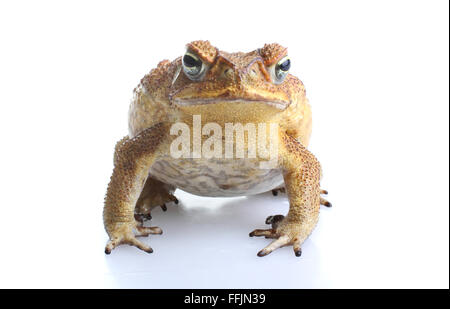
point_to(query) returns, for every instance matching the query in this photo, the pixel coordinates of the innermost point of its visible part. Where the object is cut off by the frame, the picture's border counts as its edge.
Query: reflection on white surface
(205, 244)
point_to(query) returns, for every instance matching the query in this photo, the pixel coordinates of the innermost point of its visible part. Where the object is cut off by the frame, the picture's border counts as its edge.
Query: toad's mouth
(279, 104)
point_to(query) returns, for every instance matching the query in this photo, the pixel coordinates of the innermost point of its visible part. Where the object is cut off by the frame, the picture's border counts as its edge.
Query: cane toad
(216, 88)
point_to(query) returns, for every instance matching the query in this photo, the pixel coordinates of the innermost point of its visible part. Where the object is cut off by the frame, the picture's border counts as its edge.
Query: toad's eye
(281, 70)
(193, 66)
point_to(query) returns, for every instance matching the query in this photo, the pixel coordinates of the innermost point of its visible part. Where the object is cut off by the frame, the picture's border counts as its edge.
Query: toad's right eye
(193, 66)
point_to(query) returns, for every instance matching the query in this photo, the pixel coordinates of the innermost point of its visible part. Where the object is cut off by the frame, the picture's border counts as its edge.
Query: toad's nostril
(229, 73)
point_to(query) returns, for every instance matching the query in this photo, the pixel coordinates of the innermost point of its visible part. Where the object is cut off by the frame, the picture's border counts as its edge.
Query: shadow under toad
(203, 231)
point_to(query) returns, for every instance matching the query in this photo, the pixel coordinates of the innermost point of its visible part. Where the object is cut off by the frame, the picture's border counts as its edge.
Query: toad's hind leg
(282, 189)
(155, 193)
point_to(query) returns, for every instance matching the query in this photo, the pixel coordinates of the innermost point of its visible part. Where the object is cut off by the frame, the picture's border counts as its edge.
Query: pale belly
(217, 177)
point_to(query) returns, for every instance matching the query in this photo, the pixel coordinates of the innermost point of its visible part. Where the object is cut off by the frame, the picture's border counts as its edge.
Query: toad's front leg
(301, 172)
(132, 160)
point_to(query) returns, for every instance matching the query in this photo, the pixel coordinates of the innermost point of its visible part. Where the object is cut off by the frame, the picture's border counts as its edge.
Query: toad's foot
(154, 194)
(323, 201)
(284, 233)
(277, 190)
(126, 233)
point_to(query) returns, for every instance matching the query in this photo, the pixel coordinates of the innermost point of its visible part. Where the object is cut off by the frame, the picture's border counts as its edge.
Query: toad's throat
(281, 105)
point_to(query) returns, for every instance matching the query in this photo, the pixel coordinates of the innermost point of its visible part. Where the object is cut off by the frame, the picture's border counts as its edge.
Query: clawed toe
(145, 206)
(277, 243)
(281, 237)
(173, 199)
(127, 233)
(275, 191)
(132, 241)
(269, 233)
(274, 220)
(297, 250)
(142, 217)
(323, 201)
(111, 245)
(145, 231)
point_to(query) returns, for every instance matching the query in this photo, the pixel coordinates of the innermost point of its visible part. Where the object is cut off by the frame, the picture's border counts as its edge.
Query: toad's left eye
(281, 70)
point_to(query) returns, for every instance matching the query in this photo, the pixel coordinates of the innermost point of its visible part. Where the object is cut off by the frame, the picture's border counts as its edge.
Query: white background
(376, 74)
